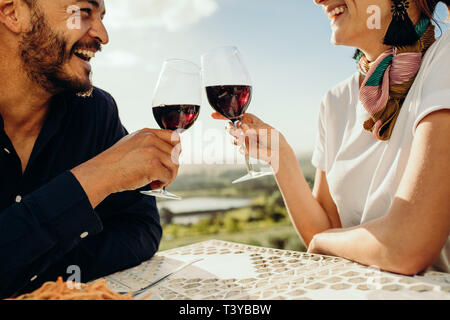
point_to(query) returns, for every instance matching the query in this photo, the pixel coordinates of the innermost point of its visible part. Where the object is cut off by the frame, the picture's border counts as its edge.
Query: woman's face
(357, 23)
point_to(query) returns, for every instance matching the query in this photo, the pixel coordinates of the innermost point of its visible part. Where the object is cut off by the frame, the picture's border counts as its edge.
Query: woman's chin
(340, 38)
(336, 40)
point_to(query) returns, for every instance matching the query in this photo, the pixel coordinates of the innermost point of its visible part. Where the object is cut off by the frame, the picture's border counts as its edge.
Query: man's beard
(44, 54)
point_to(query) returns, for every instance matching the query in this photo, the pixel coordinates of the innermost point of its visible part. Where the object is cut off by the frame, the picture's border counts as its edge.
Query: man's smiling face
(61, 41)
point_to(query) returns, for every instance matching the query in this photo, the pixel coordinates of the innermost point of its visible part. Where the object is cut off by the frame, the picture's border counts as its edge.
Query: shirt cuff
(318, 160)
(64, 208)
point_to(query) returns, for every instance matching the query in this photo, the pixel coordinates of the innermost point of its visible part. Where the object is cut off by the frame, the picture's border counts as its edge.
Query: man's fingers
(160, 172)
(155, 185)
(167, 161)
(176, 153)
(151, 140)
(170, 137)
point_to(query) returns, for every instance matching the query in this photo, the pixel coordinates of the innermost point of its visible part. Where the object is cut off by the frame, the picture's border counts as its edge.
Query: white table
(232, 271)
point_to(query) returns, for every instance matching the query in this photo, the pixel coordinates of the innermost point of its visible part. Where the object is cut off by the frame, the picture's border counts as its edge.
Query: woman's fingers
(252, 136)
(234, 131)
(247, 131)
(249, 118)
(218, 116)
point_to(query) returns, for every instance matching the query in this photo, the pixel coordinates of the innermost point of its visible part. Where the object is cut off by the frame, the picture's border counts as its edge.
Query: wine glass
(229, 91)
(176, 102)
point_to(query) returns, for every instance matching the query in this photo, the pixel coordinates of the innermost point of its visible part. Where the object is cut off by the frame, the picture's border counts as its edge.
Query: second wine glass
(229, 90)
(176, 102)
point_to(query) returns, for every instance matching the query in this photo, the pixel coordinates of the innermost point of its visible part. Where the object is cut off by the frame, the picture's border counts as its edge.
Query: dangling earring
(401, 31)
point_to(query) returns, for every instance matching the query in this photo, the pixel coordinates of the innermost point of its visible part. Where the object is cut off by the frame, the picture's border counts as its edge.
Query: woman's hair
(427, 7)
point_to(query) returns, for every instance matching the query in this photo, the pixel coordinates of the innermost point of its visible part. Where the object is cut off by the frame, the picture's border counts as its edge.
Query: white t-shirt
(363, 174)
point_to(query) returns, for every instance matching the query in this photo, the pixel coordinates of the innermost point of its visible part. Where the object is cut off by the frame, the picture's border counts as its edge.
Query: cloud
(119, 59)
(172, 15)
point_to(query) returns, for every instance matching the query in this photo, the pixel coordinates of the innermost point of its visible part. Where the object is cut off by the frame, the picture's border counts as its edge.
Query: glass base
(161, 193)
(253, 175)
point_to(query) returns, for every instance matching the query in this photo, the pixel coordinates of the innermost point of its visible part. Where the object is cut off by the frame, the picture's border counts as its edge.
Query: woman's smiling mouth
(334, 12)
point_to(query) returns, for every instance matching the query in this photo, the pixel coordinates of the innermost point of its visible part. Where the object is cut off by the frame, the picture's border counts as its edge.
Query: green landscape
(264, 223)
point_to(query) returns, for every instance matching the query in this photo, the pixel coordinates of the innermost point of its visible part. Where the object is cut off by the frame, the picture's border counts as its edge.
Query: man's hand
(146, 157)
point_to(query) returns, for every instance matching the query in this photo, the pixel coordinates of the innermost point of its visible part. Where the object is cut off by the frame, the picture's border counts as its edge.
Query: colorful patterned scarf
(388, 79)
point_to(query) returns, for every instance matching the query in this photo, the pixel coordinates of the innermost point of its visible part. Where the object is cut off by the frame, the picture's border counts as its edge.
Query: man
(67, 164)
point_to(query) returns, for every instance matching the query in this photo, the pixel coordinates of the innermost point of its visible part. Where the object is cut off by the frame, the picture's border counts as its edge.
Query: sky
(285, 44)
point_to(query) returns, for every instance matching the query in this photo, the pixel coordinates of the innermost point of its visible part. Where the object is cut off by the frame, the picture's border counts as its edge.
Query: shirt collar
(58, 108)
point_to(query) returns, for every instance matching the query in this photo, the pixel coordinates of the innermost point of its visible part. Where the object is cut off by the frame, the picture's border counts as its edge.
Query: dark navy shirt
(47, 223)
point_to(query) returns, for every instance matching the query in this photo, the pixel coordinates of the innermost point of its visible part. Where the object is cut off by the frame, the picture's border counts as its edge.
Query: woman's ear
(13, 14)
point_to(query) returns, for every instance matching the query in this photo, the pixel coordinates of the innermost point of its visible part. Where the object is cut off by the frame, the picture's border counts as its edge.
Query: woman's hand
(313, 246)
(261, 140)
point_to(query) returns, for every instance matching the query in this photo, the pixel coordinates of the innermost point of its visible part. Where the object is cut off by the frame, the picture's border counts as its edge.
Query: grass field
(282, 236)
(264, 223)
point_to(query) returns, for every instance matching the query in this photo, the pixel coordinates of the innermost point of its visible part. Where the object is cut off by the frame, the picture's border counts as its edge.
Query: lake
(191, 210)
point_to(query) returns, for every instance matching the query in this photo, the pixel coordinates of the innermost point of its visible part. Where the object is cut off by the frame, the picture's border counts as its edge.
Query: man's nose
(98, 31)
(318, 2)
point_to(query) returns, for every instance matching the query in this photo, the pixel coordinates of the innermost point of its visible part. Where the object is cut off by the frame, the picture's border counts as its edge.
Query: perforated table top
(232, 271)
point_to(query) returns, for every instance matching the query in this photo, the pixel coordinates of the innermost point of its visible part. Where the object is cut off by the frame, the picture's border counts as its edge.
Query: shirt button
(84, 235)
(18, 199)
(7, 151)
(34, 278)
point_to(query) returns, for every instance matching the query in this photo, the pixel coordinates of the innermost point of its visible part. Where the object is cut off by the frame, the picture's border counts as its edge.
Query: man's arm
(39, 230)
(131, 234)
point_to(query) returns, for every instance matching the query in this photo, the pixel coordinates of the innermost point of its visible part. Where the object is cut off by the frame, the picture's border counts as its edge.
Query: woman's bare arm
(409, 238)
(311, 213)
(321, 193)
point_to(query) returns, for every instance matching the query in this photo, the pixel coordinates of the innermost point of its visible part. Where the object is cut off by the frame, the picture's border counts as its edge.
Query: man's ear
(13, 14)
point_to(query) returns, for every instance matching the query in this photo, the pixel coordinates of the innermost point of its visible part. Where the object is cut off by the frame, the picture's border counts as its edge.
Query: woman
(381, 194)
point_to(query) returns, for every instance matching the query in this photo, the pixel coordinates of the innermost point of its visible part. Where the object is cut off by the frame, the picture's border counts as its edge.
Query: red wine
(230, 101)
(176, 117)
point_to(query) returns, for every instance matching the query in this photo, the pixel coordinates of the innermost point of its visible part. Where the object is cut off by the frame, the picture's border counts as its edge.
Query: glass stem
(247, 155)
